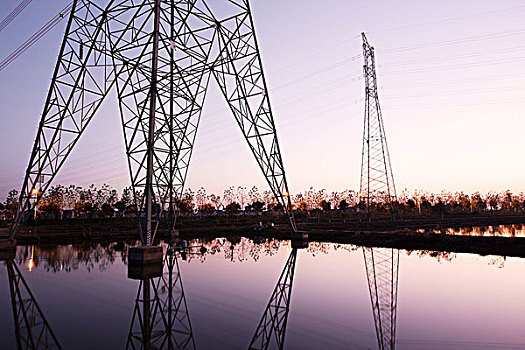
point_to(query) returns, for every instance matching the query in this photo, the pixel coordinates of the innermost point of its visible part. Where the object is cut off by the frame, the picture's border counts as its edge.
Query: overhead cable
(11, 16)
(35, 37)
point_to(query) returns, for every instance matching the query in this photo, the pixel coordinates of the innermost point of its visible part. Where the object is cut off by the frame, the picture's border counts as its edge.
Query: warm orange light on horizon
(34, 191)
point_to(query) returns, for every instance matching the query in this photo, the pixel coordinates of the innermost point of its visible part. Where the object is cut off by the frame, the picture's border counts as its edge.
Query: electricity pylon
(32, 330)
(382, 267)
(160, 317)
(272, 326)
(159, 55)
(377, 182)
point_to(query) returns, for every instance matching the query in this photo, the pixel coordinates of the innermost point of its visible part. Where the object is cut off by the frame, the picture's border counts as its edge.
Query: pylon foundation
(144, 262)
(300, 240)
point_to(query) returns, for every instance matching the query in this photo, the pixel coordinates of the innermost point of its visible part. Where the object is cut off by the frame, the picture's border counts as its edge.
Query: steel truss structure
(160, 317)
(272, 326)
(159, 56)
(31, 327)
(377, 182)
(382, 267)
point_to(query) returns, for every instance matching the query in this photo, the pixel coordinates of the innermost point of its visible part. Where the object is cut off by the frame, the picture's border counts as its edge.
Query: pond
(241, 294)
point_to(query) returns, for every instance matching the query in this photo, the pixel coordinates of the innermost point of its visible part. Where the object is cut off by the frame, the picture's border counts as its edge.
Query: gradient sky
(450, 76)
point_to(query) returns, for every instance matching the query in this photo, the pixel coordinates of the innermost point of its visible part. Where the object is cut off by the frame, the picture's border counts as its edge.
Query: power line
(35, 37)
(11, 16)
(486, 63)
(455, 41)
(450, 19)
(500, 52)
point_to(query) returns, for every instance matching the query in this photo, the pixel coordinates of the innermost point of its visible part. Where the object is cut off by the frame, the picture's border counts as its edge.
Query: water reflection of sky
(465, 303)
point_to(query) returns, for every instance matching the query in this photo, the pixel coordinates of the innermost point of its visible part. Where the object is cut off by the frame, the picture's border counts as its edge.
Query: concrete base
(144, 272)
(299, 243)
(144, 262)
(144, 255)
(300, 235)
(7, 249)
(299, 239)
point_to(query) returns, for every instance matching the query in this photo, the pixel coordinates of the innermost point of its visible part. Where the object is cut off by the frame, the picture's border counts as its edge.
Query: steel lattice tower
(382, 267)
(159, 55)
(377, 182)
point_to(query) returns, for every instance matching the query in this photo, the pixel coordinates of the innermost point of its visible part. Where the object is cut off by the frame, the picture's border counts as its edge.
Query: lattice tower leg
(82, 78)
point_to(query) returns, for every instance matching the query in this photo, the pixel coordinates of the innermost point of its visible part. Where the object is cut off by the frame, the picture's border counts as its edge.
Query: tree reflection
(100, 256)
(439, 256)
(71, 257)
(514, 230)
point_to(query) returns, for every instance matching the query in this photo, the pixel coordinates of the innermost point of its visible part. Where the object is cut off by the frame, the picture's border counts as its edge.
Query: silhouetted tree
(206, 208)
(343, 205)
(257, 205)
(11, 202)
(185, 207)
(325, 205)
(232, 208)
(50, 209)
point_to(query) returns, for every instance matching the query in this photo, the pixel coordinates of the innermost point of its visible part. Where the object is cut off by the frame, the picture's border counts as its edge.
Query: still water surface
(458, 301)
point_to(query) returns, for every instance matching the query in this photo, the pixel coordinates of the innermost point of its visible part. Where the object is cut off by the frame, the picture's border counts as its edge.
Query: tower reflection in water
(160, 318)
(271, 331)
(31, 327)
(382, 267)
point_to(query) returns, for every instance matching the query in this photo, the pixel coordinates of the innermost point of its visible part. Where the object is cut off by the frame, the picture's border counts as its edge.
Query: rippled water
(444, 300)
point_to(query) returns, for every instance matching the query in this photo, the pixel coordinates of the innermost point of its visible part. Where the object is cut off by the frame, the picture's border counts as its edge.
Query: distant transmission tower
(382, 267)
(159, 55)
(377, 182)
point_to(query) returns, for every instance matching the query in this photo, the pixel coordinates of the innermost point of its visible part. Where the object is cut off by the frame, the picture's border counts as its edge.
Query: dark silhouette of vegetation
(61, 202)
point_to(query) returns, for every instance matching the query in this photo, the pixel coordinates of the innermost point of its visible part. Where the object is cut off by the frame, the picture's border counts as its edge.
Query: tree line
(106, 201)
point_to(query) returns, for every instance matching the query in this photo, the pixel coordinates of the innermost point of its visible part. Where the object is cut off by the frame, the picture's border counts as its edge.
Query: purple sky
(451, 83)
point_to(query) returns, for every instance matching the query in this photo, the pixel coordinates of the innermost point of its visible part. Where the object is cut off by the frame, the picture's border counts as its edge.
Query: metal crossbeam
(377, 182)
(382, 267)
(272, 326)
(160, 54)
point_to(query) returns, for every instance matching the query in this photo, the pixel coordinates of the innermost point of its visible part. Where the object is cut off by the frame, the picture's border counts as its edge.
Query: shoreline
(399, 234)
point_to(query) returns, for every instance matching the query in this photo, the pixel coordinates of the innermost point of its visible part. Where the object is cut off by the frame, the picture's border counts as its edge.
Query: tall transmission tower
(159, 55)
(377, 182)
(382, 267)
